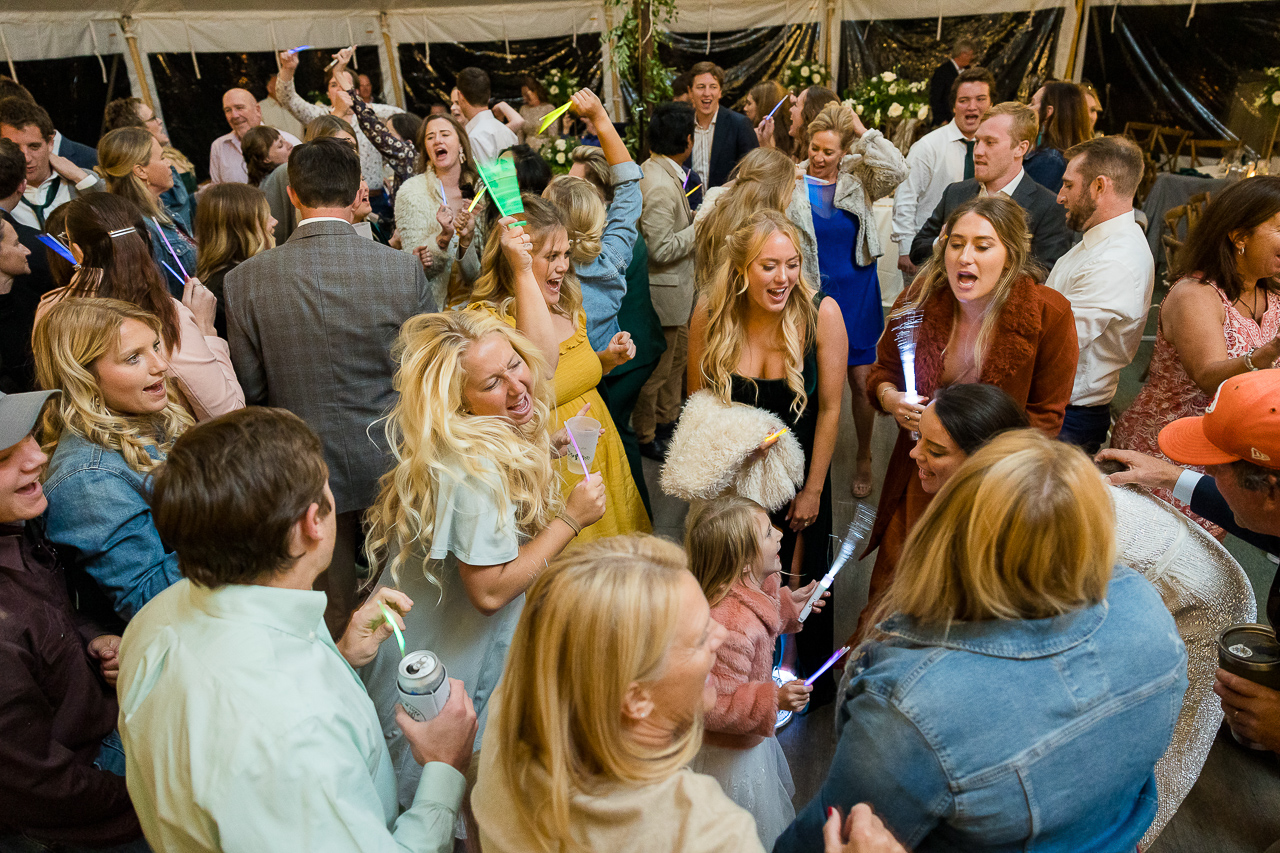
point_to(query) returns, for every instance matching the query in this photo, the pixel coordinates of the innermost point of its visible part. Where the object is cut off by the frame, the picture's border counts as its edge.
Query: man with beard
(1108, 276)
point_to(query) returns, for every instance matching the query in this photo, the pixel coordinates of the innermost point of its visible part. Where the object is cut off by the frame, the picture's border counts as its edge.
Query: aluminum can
(423, 685)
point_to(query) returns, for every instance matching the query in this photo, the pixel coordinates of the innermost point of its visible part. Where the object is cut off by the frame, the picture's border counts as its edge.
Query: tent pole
(1081, 11)
(126, 24)
(393, 59)
(832, 36)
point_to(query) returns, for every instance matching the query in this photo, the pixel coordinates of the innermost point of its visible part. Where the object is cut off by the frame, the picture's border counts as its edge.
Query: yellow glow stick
(553, 115)
(476, 200)
(776, 434)
(692, 191)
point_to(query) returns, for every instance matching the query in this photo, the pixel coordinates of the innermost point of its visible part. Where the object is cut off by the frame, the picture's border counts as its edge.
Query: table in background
(1168, 192)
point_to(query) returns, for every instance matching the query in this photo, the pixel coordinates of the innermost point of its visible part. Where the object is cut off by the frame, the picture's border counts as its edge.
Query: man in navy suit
(18, 306)
(1007, 132)
(721, 137)
(82, 155)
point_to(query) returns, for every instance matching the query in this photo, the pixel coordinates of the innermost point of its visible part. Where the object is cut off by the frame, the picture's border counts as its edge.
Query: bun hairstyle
(584, 215)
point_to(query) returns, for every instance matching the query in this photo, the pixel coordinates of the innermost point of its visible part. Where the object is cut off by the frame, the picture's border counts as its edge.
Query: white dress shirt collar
(1105, 229)
(310, 219)
(1008, 189)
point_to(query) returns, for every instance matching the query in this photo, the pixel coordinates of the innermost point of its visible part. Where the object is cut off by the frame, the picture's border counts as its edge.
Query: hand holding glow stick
(395, 629)
(298, 49)
(785, 98)
(858, 533)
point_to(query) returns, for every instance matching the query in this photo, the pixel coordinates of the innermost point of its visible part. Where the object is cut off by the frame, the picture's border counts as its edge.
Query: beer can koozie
(423, 685)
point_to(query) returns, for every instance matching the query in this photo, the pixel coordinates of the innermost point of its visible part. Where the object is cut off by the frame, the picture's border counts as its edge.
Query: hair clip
(121, 232)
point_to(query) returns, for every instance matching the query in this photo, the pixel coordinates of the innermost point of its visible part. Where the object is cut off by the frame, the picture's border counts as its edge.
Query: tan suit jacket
(667, 224)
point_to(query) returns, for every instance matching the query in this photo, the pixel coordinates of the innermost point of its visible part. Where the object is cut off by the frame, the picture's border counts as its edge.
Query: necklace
(1253, 309)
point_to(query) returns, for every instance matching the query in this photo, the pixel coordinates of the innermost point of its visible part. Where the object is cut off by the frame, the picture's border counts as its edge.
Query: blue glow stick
(808, 682)
(298, 49)
(780, 103)
(56, 244)
(172, 272)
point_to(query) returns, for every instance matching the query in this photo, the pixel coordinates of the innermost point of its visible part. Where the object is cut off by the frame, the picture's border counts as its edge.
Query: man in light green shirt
(245, 726)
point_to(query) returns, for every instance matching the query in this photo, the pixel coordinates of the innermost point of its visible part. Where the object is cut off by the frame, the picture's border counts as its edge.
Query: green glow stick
(395, 629)
(504, 188)
(553, 115)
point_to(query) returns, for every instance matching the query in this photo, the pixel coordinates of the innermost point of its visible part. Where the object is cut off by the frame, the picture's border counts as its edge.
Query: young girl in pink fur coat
(733, 552)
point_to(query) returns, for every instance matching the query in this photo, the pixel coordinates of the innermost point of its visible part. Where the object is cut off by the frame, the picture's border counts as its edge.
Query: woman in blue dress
(842, 189)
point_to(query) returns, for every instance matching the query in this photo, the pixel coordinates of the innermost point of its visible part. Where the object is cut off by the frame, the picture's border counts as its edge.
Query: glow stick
(808, 682)
(692, 191)
(859, 531)
(553, 115)
(173, 272)
(172, 253)
(335, 59)
(294, 50)
(395, 629)
(479, 195)
(905, 333)
(776, 434)
(780, 103)
(586, 475)
(57, 245)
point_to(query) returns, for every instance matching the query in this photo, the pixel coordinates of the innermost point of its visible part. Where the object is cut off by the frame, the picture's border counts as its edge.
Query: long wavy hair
(118, 153)
(67, 341)
(1010, 224)
(726, 300)
(1024, 529)
(584, 215)
(496, 285)
(231, 226)
(597, 621)
(762, 180)
(119, 267)
(435, 441)
(470, 176)
(767, 94)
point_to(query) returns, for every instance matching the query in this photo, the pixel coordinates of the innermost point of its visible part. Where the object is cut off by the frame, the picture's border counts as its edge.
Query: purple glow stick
(585, 473)
(808, 682)
(172, 253)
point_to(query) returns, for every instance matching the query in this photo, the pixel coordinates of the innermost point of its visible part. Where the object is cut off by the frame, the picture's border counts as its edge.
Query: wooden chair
(1220, 150)
(1174, 238)
(1163, 144)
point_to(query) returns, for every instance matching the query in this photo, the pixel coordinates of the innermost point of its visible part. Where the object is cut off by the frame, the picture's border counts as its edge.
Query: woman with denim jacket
(1019, 685)
(114, 421)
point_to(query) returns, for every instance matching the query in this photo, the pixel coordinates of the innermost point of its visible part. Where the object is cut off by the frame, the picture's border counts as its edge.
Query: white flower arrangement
(890, 98)
(800, 74)
(559, 85)
(558, 154)
(1270, 89)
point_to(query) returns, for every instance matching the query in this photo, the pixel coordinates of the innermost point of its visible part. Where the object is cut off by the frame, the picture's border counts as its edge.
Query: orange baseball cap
(1242, 422)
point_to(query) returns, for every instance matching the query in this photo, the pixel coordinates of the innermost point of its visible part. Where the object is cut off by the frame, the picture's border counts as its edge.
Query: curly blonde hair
(435, 441)
(762, 180)
(496, 285)
(584, 215)
(726, 299)
(67, 341)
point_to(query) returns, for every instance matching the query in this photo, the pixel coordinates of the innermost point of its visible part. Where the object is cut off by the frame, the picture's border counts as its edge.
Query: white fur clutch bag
(708, 455)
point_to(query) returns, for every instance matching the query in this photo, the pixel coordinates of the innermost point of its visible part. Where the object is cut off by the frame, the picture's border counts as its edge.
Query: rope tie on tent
(710, 17)
(13, 73)
(275, 47)
(351, 40)
(93, 34)
(1114, 9)
(939, 20)
(426, 43)
(1191, 14)
(191, 47)
(506, 42)
(575, 32)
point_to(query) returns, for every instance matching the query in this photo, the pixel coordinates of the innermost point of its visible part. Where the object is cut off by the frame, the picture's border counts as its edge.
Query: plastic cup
(586, 433)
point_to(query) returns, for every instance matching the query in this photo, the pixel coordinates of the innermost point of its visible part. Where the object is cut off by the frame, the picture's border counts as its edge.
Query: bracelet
(1248, 359)
(880, 394)
(573, 525)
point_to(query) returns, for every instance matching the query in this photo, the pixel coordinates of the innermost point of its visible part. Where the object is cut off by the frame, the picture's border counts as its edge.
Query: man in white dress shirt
(226, 159)
(939, 159)
(489, 137)
(1108, 276)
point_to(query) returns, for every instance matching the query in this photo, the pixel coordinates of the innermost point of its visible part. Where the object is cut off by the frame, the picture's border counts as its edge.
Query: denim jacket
(1033, 735)
(604, 280)
(100, 520)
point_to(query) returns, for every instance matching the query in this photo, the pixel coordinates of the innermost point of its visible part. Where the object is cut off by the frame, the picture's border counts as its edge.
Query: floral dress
(1170, 394)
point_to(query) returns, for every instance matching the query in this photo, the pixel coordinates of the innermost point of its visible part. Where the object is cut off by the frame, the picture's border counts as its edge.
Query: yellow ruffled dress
(577, 375)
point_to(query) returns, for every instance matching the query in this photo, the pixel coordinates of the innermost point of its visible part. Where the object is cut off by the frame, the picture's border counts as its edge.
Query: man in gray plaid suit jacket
(311, 325)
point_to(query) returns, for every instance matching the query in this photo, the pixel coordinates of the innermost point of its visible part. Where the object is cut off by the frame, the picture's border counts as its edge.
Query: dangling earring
(462, 157)
(1241, 248)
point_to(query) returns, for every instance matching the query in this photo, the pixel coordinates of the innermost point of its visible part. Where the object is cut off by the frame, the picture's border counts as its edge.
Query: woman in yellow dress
(543, 300)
